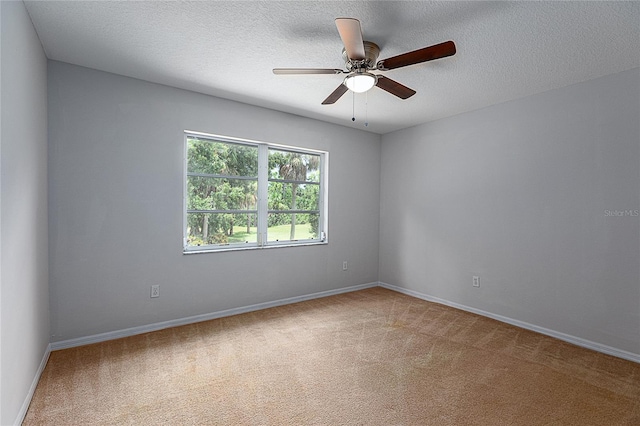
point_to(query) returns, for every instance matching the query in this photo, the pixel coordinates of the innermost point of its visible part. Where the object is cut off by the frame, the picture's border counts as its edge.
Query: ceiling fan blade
(293, 71)
(351, 35)
(333, 97)
(425, 54)
(395, 88)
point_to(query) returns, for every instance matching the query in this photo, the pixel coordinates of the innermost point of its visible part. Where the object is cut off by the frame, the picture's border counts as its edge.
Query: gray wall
(518, 194)
(116, 176)
(24, 302)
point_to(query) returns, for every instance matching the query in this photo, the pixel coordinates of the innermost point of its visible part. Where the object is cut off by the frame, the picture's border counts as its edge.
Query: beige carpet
(373, 357)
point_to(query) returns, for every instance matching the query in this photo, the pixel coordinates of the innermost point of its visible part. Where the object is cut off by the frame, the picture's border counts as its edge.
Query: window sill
(272, 246)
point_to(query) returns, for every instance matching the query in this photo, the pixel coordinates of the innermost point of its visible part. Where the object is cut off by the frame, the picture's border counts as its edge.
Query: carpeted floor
(372, 357)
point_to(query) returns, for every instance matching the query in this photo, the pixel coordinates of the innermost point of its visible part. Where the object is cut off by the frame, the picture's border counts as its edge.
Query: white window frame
(263, 201)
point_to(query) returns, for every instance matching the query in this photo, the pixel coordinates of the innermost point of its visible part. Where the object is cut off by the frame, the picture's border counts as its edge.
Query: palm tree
(295, 169)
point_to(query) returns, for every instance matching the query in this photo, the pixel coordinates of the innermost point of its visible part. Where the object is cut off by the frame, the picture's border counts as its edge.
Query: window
(243, 194)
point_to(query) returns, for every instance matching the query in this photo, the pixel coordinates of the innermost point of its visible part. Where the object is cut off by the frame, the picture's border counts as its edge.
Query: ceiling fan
(360, 59)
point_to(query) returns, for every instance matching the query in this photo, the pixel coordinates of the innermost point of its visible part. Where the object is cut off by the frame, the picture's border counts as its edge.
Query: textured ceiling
(506, 50)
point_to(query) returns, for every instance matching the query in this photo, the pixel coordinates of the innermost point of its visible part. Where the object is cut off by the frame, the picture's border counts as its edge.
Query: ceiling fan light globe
(360, 82)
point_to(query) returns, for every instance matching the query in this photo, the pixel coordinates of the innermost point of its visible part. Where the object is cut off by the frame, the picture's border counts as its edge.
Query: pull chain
(366, 109)
(353, 106)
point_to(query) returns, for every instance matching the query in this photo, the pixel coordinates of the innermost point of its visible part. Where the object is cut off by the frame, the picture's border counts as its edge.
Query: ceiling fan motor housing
(371, 52)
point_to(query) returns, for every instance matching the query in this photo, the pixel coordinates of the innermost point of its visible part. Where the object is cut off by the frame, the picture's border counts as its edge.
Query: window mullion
(322, 220)
(185, 191)
(263, 195)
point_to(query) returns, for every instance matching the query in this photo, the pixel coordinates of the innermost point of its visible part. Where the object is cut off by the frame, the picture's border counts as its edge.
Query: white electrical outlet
(344, 265)
(155, 291)
(476, 281)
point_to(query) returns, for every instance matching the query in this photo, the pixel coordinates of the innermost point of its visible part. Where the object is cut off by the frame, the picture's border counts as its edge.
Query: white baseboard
(558, 335)
(64, 344)
(25, 405)
(102, 337)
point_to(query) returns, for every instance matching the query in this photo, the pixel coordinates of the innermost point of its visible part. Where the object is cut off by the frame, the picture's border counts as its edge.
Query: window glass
(221, 229)
(209, 193)
(292, 227)
(291, 165)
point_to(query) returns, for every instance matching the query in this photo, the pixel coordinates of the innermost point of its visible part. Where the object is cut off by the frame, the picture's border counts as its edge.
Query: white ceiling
(505, 50)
